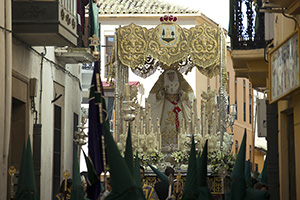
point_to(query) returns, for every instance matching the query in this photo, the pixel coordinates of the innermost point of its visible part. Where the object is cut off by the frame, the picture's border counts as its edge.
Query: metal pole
(222, 114)
(117, 90)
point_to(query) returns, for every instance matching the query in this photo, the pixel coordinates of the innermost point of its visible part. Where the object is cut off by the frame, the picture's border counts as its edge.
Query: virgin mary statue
(171, 103)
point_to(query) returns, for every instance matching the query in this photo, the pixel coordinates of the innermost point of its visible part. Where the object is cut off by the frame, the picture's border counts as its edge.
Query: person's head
(168, 171)
(142, 170)
(177, 187)
(260, 186)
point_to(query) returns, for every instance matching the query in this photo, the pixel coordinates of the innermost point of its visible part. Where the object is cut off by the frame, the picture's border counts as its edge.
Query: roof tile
(141, 7)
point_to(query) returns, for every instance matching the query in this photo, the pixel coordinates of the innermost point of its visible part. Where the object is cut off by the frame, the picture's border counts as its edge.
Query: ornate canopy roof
(170, 46)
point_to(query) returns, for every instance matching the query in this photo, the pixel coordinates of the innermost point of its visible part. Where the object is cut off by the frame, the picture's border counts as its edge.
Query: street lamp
(81, 137)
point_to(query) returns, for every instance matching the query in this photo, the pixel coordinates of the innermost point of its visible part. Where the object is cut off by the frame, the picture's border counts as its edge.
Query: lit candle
(146, 122)
(149, 110)
(159, 137)
(198, 125)
(178, 143)
(195, 108)
(192, 121)
(158, 133)
(127, 90)
(183, 127)
(150, 125)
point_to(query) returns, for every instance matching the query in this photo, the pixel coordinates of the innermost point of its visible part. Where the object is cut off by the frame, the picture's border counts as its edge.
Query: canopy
(168, 45)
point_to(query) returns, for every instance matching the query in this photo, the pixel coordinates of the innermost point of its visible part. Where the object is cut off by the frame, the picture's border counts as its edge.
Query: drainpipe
(7, 94)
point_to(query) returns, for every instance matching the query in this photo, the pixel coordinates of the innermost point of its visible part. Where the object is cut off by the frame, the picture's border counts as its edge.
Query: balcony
(74, 55)
(292, 7)
(45, 23)
(248, 41)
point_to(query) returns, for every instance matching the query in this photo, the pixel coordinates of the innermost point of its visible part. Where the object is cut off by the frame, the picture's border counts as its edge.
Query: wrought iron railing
(246, 26)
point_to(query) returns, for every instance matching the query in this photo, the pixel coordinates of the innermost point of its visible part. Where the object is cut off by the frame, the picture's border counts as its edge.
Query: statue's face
(171, 85)
(171, 75)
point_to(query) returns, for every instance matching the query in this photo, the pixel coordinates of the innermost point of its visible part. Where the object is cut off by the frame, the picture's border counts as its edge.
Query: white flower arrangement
(156, 156)
(179, 156)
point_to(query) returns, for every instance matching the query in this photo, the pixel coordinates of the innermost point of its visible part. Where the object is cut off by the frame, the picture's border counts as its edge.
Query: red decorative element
(166, 17)
(176, 110)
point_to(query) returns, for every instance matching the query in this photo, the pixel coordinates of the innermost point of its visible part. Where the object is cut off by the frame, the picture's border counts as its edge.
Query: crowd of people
(159, 192)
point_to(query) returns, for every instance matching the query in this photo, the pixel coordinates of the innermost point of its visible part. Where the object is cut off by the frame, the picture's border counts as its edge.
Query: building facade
(256, 57)
(40, 90)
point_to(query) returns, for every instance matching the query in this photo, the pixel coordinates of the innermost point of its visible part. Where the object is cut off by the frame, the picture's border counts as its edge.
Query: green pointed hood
(128, 151)
(137, 173)
(76, 189)
(92, 176)
(190, 191)
(263, 177)
(202, 166)
(203, 191)
(237, 188)
(26, 188)
(248, 174)
(22, 170)
(160, 175)
(122, 182)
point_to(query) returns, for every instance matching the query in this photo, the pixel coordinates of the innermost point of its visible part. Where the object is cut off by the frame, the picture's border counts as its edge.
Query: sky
(217, 10)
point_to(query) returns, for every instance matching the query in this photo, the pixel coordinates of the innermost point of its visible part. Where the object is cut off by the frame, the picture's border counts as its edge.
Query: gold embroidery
(170, 44)
(169, 133)
(172, 97)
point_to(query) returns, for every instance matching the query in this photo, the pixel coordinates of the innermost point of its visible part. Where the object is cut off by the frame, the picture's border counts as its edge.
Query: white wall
(28, 63)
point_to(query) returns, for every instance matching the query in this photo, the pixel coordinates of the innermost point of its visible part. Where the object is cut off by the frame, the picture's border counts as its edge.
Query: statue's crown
(168, 19)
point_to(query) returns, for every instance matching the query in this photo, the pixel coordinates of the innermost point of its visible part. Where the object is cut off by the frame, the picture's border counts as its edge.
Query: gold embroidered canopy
(169, 46)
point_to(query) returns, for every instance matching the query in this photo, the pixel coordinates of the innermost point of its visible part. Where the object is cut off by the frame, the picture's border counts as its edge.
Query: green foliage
(220, 162)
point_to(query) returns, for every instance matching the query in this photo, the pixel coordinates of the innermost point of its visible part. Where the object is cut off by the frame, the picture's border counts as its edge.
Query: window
(228, 106)
(75, 128)
(56, 149)
(109, 106)
(250, 113)
(58, 111)
(256, 167)
(108, 52)
(244, 111)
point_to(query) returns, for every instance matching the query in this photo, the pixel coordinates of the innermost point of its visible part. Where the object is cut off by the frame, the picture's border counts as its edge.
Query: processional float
(168, 46)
